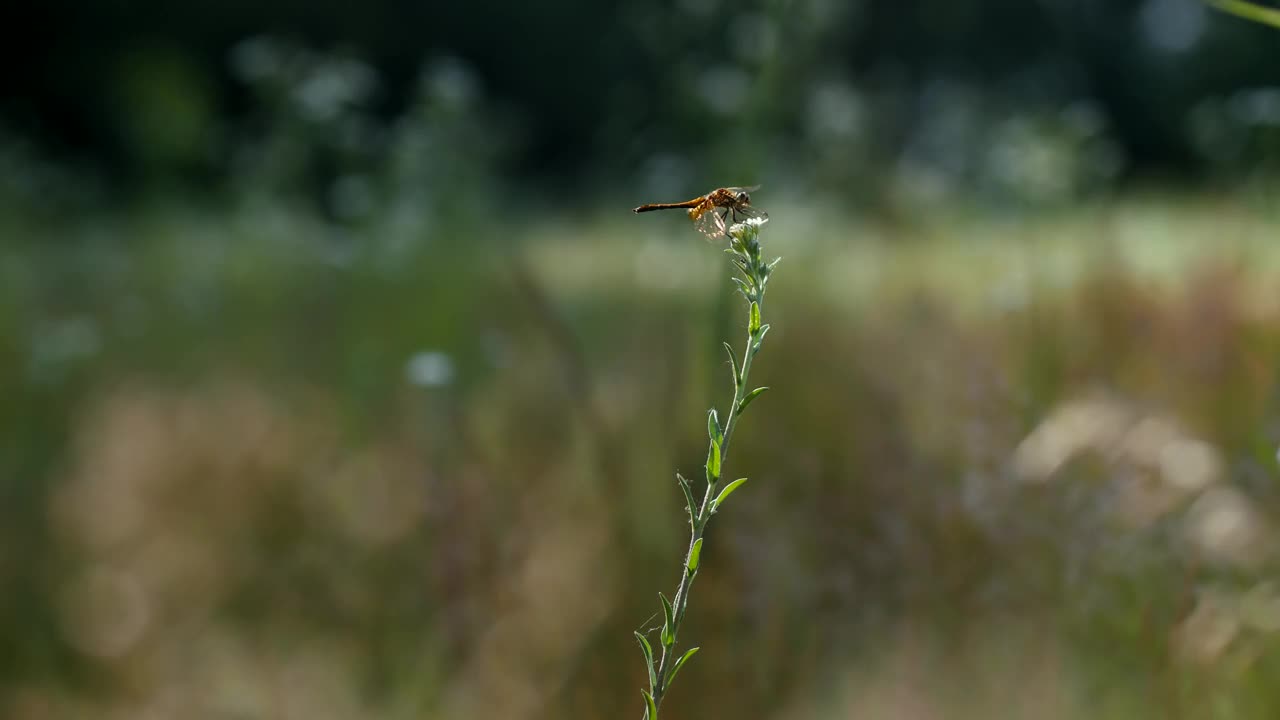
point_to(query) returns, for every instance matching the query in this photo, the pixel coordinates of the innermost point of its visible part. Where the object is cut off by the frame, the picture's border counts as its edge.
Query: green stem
(681, 599)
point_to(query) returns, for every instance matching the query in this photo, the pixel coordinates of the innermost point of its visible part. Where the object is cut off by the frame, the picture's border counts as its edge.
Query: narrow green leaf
(679, 664)
(751, 396)
(713, 463)
(737, 379)
(695, 553)
(650, 709)
(647, 649)
(1249, 11)
(775, 262)
(688, 497)
(759, 339)
(744, 287)
(713, 428)
(754, 326)
(728, 489)
(668, 622)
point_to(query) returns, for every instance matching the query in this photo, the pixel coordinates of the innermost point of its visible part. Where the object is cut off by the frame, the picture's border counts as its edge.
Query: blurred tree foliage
(144, 87)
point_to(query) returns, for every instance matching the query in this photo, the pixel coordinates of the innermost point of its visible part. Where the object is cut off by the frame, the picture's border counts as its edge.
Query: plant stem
(746, 251)
(744, 248)
(681, 599)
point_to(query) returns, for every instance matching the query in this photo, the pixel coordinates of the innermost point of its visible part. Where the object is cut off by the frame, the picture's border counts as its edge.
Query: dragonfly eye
(744, 197)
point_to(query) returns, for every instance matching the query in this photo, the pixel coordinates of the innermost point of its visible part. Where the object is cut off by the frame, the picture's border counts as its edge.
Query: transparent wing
(746, 212)
(711, 223)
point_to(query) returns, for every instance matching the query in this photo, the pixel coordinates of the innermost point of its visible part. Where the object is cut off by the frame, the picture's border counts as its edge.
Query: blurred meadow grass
(258, 464)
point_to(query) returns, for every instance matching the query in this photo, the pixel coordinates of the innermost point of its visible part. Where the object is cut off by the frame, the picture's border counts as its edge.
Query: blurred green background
(337, 379)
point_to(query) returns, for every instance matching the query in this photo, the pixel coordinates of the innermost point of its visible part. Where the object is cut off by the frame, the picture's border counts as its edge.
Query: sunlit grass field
(1018, 465)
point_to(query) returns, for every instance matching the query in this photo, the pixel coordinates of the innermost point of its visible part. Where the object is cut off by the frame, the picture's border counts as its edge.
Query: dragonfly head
(741, 196)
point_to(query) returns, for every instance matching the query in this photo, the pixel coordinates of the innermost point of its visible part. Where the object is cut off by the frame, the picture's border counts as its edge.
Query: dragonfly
(713, 213)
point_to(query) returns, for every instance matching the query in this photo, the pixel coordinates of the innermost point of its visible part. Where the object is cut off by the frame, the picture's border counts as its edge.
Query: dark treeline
(589, 87)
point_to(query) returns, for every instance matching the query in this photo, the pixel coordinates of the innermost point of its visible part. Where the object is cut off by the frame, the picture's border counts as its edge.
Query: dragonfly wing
(710, 223)
(746, 212)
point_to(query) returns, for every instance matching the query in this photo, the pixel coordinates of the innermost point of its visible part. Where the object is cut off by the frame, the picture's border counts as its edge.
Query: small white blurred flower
(429, 368)
(1225, 527)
